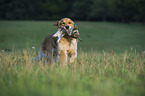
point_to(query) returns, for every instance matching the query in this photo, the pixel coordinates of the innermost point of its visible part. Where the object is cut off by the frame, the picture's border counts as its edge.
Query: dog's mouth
(68, 31)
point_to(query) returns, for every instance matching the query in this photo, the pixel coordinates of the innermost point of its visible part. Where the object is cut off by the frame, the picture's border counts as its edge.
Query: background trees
(102, 10)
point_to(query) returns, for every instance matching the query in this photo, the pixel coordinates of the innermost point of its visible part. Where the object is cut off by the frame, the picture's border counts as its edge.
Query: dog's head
(67, 24)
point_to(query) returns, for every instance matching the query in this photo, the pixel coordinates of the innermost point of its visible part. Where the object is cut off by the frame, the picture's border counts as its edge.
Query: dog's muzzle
(67, 27)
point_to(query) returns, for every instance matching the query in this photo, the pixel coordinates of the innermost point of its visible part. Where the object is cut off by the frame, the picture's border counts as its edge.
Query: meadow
(111, 61)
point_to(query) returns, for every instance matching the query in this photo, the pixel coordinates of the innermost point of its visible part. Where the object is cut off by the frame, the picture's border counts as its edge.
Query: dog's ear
(57, 23)
(75, 27)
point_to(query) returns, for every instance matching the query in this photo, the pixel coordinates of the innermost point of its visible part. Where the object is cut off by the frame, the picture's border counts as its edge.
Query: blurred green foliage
(101, 10)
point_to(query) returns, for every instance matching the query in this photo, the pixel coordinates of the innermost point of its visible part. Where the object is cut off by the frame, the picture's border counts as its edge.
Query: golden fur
(59, 48)
(67, 45)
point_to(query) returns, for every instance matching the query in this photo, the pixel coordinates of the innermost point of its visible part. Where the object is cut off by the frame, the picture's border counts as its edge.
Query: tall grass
(93, 74)
(113, 72)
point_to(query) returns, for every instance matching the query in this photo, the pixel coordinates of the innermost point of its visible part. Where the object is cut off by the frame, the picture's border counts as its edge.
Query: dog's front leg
(63, 57)
(73, 56)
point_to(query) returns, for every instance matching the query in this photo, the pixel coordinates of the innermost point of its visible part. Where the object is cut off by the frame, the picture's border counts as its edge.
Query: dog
(67, 46)
(58, 46)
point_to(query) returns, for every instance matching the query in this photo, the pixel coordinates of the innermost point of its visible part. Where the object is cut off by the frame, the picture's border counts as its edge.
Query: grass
(110, 61)
(92, 75)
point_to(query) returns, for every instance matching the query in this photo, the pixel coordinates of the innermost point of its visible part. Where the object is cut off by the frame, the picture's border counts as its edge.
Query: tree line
(91, 10)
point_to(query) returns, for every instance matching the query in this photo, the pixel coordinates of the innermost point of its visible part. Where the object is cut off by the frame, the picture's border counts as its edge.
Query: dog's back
(49, 43)
(48, 50)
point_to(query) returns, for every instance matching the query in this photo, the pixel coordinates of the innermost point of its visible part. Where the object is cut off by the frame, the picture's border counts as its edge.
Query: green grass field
(110, 61)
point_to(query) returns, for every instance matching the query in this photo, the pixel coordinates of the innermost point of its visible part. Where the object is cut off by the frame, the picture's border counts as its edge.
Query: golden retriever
(58, 46)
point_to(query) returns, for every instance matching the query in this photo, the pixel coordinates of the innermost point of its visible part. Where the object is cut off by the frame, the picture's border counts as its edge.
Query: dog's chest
(67, 44)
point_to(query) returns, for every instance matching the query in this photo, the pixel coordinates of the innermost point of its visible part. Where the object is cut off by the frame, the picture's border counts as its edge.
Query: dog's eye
(69, 22)
(63, 23)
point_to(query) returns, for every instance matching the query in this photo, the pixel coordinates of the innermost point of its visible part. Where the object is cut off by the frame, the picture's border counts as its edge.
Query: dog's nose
(67, 27)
